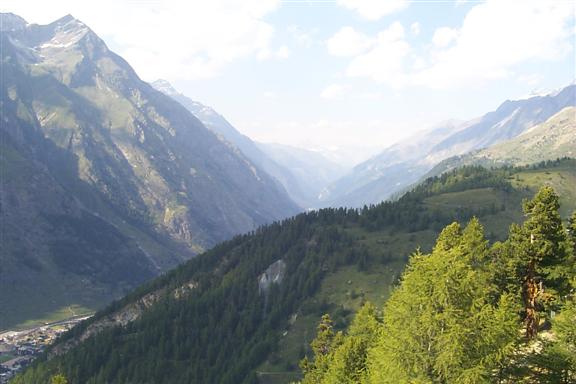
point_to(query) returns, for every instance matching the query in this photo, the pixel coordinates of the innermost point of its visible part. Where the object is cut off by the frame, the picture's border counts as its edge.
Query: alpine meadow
(288, 192)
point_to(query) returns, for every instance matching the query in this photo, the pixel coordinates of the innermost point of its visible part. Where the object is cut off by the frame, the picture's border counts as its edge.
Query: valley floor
(19, 347)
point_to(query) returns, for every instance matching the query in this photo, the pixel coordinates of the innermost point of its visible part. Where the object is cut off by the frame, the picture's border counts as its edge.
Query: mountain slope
(245, 311)
(113, 153)
(219, 125)
(396, 167)
(312, 170)
(56, 253)
(404, 163)
(553, 139)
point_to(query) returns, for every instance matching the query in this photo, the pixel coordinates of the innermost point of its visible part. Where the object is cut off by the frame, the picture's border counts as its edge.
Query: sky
(357, 75)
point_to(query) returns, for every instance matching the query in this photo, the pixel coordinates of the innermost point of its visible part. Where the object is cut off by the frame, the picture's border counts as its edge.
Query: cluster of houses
(18, 349)
(14, 357)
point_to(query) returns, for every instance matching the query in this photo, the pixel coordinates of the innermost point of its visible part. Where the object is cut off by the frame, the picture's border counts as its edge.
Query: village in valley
(18, 348)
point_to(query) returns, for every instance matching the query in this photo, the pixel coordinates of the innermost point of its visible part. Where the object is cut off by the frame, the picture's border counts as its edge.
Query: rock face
(553, 139)
(286, 179)
(104, 179)
(312, 170)
(274, 274)
(404, 163)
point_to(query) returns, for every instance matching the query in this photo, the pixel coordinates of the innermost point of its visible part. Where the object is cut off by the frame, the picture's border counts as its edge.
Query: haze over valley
(274, 192)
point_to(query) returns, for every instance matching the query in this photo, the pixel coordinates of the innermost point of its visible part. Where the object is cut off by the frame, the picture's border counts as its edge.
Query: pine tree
(323, 346)
(439, 325)
(348, 362)
(58, 379)
(564, 326)
(572, 232)
(542, 253)
(555, 362)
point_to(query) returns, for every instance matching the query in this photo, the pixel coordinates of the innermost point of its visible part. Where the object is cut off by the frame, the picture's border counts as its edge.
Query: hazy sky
(336, 73)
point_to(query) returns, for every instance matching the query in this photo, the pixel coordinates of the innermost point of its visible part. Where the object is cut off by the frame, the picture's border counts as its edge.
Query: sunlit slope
(553, 139)
(212, 320)
(105, 181)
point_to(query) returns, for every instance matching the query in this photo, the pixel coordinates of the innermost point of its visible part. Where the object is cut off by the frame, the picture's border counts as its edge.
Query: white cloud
(373, 9)
(304, 37)
(348, 42)
(494, 40)
(384, 63)
(280, 54)
(393, 33)
(415, 28)
(264, 54)
(283, 52)
(169, 39)
(333, 91)
(368, 96)
(496, 37)
(444, 36)
(532, 79)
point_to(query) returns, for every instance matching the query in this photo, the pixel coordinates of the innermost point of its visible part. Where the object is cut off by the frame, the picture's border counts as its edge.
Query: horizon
(287, 191)
(269, 83)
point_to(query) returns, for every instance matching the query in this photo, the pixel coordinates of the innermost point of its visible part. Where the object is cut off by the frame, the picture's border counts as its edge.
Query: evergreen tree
(323, 347)
(439, 325)
(58, 379)
(564, 326)
(543, 255)
(348, 362)
(455, 316)
(555, 362)
(572, 232)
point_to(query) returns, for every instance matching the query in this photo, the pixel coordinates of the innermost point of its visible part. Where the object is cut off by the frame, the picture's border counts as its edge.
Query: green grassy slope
(208, 321)
(343, 291)
(552, 139)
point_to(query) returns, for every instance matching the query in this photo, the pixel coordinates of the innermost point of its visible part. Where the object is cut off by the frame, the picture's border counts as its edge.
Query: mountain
(392, 170)
(226, 132)
(312, 170)
(211, 120)
(12, 22)
(106, 181)
(300, 172)
(245, 311)
(404, 163)
(553, 139)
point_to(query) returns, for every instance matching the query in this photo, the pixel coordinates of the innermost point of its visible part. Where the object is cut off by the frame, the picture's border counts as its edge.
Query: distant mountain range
(106, 182)
(312, 169)
(312, 180)
(555, 138)
(302, 173)
(404, 163)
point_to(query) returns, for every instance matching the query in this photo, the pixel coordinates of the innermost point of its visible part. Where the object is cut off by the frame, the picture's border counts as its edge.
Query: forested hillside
(245, 311)
(468, 312)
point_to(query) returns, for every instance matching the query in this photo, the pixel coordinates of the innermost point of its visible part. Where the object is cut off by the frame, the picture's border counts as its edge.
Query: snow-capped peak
(165, 87)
